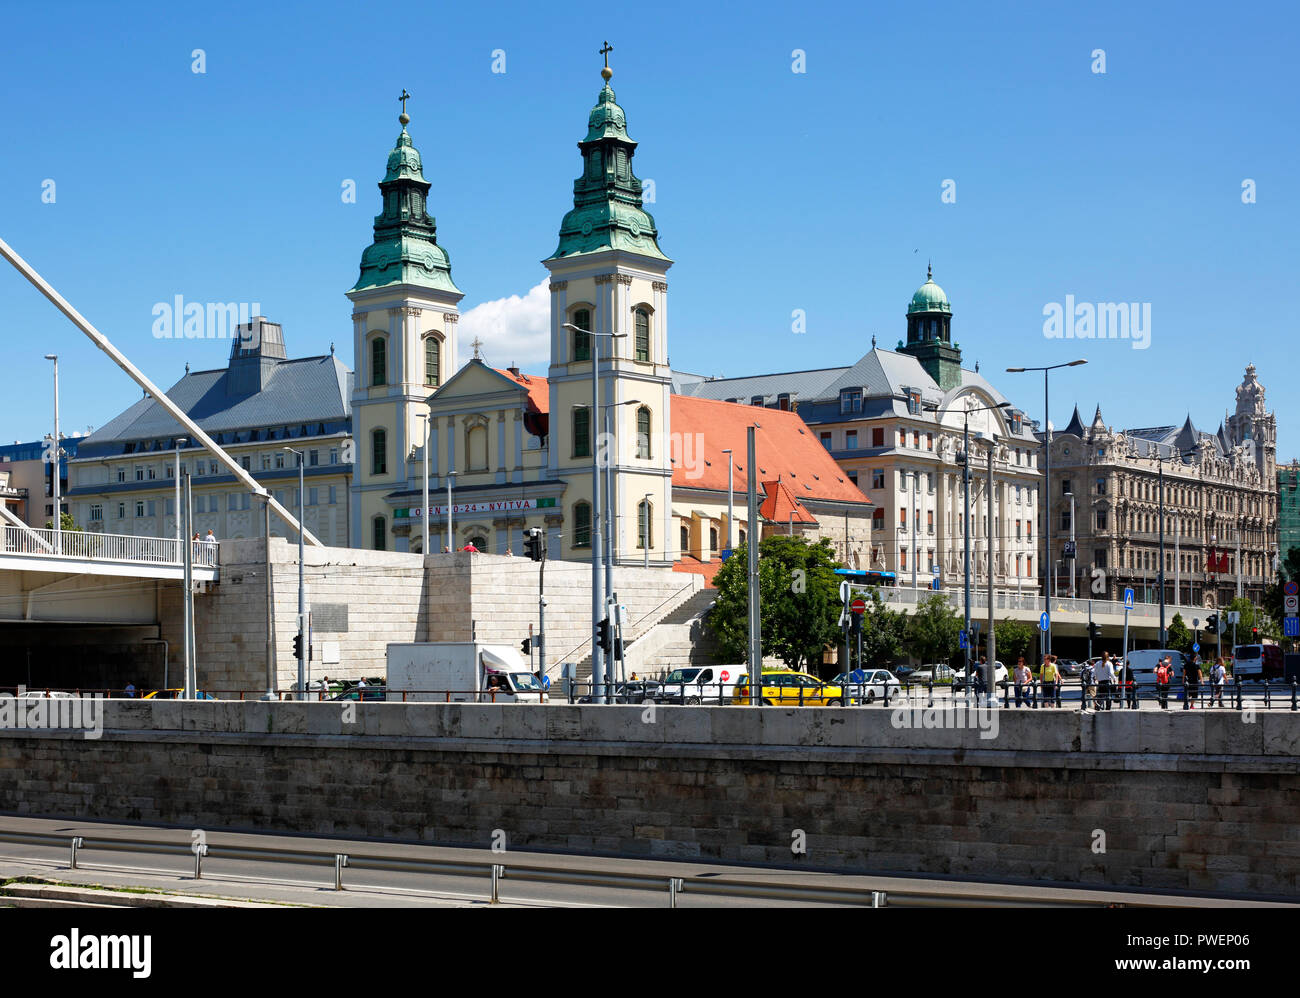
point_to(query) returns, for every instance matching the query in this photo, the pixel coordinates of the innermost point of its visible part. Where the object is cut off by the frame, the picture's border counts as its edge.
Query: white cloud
(514, 330)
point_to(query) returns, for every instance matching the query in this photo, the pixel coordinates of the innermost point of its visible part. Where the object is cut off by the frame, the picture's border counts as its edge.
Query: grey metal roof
(307, 390)
(803, 385)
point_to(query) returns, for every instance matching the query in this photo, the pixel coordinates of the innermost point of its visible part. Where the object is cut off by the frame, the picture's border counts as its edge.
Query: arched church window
(581, 341)
(582, 525)
(642, 323)
(644, 532)
(432, 367)
(643, 433)
(378, 361)
(582, 431)
(379, 452)
(686, 539)
(713, 538)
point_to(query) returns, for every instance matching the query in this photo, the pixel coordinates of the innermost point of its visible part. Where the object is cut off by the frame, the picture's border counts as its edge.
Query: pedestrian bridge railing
(78, 544)
(1032, 603)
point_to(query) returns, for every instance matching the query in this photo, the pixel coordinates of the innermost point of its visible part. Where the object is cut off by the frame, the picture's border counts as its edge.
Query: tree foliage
(932, 629)
(883, 632)
(1288, 571)
(799, 605)
(1178, 635)
(66, 523)
(1012, 639)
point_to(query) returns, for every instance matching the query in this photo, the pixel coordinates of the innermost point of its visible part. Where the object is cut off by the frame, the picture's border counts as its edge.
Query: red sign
(858, 606)
(725, 675)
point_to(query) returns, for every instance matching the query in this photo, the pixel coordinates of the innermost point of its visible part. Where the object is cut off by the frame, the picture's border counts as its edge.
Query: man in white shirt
(1105, 676)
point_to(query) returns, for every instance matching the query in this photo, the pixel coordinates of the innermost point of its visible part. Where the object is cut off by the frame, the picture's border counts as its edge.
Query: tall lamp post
(1046, 504)
(181, 442)
(599, 667)
(966, 523)
(56, 462)
(304, 651)
(731, 470)
(424, 511)
(645, 534)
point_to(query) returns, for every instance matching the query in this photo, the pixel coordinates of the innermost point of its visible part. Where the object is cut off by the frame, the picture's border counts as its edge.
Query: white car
(46, 694)
(867, 686)
(999, 675)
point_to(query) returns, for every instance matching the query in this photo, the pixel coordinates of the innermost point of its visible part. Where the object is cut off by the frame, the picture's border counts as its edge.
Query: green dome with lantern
(929, 297)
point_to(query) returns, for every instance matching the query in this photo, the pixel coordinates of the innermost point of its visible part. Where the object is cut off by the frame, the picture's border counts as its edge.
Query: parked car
(787, 688)
(959, 677)
(937, 673)
(46, 695)
(371, 691)
(869, 685)
(703, 684)
(638, 692)
(1069, 666)
(177, 695)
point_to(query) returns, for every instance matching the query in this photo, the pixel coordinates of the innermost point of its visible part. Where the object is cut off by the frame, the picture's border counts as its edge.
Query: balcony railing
(106, 547)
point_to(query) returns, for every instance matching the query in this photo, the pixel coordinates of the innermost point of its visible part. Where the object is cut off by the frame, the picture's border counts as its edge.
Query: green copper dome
(929, 297)
(405, 248)
(607, 208)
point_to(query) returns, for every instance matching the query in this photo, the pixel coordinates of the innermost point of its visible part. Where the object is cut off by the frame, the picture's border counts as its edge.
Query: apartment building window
(929, 441)
(279, 459)
(853, 477)
(139, 509)
(913, 402)
(1102, 520)
(878, 436)
(333, 495)
(902, 519)
(96, 512)
(929, 517)
(313, 459)
(1065, 487)
(1099, 558)
(1101, 486)
(850, 439)
(902, 559)
(152, 473)
(878, 478)
(850, 400)
(266, 462)
(878, 519)
(757, 400)
(783, 401)
(1065, 519)
(1017, 530)
(121, 474)
(212, 467)
(826, 439)
(121, 511)
(139, 473)
(312, 496)
(334, 455)
(246, 463)
(916, 439)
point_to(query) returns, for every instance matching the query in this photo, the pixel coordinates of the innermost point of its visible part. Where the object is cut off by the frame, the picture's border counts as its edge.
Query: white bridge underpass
(1069, 617)
(82, 577)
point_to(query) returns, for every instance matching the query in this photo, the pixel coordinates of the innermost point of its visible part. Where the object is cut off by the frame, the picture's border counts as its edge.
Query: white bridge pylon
(138, 376)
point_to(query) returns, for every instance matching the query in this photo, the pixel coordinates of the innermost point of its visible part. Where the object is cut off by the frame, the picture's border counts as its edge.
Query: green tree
(1013, 639)
(1251, 616)
(1288, 571)
(1178, 635)
(883, 632)
(66, 522)
(799, 605)
(932, 629)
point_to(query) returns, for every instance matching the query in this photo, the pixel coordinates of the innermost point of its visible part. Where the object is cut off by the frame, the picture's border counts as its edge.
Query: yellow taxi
(788, 688)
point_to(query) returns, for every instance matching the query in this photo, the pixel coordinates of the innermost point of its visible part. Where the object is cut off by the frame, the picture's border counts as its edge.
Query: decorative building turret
(929, 334)
(1253, 426)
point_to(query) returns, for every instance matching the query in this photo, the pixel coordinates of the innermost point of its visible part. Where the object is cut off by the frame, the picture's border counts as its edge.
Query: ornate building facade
(1220, 506)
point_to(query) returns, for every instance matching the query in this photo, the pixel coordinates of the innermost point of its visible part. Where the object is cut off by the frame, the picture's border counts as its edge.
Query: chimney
(513, 369)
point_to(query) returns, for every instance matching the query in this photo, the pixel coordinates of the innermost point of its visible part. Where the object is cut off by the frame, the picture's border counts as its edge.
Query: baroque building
(1220, 506)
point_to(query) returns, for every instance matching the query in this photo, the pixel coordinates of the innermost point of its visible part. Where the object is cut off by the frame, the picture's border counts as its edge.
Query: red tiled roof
(782, 507)
(786, 451)
(539, 393)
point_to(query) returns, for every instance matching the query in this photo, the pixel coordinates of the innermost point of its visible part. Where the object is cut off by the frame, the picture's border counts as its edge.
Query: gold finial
(606, 73)
(404, 118)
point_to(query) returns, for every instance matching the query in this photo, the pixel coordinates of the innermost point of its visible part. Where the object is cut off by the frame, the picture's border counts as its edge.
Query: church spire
(607, 209)
(405, 248)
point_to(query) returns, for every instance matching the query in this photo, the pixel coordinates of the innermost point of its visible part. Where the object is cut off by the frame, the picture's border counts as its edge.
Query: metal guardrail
(495, 873)
(105, 547)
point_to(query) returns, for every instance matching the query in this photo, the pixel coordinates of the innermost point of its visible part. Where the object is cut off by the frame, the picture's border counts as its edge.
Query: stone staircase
(682, 611)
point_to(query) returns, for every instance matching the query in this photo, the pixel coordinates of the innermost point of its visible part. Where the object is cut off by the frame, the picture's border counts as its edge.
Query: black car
(638, 692)
(367, 692)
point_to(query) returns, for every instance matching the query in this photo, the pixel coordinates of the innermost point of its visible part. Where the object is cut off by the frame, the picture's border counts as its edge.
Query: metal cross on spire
(476, 344)
(404, 98)
(605, 52)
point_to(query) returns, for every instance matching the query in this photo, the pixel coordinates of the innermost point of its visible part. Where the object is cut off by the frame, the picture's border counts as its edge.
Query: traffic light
(603, 636)
(1254, 632)
(1212, 623)
(533, 544)
(1094, 631)
(297, 646)
(526, 646)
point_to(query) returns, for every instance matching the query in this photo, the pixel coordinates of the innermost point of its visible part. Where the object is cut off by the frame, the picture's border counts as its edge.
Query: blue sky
(774, 190)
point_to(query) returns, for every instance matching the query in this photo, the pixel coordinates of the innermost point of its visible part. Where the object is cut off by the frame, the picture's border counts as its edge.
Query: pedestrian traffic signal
(603, 636)
(297, 646)
(526, 646)
(533, 544)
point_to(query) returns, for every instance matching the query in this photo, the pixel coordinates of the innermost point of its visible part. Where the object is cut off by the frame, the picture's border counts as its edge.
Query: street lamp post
(180, 550)
(424, 511)
(731, 468)
(645, 533)
(56, 463)
(302, 584)
(599, 667)
(1047, 489)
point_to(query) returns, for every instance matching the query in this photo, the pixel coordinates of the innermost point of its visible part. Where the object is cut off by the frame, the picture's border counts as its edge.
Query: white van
(1143, 662)
(703, 684)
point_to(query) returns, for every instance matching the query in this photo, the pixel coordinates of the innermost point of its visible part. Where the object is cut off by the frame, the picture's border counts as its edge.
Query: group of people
(1110, 681)
(205, 548)
(1049, 674)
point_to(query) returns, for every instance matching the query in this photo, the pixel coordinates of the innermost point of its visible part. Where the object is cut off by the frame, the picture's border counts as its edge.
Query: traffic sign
(962, 643)
(1044, 622)
(858, 606)
(934, 569)
(844, 592)
(725, 675)
(1291, 627)
(935, 584)
(1196, 646)
(1292, 605)
(1069, 549)
(1234, 616)
(1292, 588)
(1128, 599)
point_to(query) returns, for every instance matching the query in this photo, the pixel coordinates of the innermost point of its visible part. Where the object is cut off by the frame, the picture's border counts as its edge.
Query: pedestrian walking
(1024, 678)
(130, 690)
(1192, 680)
(1088, 682)
(1130, 687)
(1050, 676)
(1105, 679)
(210, 548)
(1164, 673)
(1217, 676)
